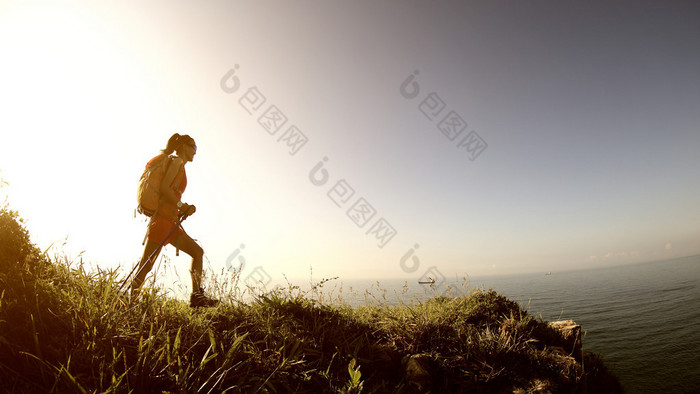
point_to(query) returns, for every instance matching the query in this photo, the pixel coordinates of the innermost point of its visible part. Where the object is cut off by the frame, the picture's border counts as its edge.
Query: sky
(360, 139)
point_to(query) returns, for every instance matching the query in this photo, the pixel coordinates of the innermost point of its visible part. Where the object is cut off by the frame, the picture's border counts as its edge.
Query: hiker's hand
(187, 209)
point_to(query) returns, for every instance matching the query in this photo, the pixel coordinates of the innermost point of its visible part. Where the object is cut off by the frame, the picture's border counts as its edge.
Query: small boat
(549, 273)
(426, 282)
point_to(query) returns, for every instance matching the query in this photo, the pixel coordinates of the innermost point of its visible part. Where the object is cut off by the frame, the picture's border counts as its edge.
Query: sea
(643, 319)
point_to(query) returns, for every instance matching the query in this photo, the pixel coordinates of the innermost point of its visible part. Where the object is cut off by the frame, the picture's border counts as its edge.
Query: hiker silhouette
(165, 225)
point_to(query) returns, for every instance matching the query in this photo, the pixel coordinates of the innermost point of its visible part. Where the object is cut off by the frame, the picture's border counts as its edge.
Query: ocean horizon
(641, 318)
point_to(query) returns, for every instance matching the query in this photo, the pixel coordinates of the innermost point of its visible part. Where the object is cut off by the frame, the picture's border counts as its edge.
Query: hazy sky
(499, 137)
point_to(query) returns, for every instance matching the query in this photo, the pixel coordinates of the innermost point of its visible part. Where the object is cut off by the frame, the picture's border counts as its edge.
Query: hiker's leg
(152, 250)
(186, 244)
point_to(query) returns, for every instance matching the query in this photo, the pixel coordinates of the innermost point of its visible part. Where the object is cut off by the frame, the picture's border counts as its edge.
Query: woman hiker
(165, 224)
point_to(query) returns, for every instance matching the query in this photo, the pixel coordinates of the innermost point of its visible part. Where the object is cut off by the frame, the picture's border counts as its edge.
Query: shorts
(159, 228)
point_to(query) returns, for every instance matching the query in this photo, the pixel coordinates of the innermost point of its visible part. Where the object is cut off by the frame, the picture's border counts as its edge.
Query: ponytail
(173, 143)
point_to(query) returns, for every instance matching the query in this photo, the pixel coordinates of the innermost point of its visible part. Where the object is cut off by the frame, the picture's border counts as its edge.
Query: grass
(64, 329)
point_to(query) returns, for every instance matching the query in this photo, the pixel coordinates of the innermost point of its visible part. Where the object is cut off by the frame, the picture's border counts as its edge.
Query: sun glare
(63, 148)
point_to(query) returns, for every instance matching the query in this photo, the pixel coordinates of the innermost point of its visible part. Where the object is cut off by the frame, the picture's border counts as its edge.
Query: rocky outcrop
(418, 374)
(571, 334)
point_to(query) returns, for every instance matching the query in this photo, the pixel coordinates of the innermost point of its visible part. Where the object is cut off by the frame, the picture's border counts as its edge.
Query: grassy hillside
(63, 329)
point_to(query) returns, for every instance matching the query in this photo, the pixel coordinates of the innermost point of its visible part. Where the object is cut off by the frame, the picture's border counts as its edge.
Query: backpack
(147, 192)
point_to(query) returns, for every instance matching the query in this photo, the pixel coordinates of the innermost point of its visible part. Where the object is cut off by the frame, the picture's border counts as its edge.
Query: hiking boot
(199, 299)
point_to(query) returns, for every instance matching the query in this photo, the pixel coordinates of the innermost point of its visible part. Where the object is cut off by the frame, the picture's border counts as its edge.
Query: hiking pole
(177, 224)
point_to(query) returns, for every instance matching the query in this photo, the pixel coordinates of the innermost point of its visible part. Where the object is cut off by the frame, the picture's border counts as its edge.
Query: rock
(571, 332)
(383, 357)
(417, 368)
